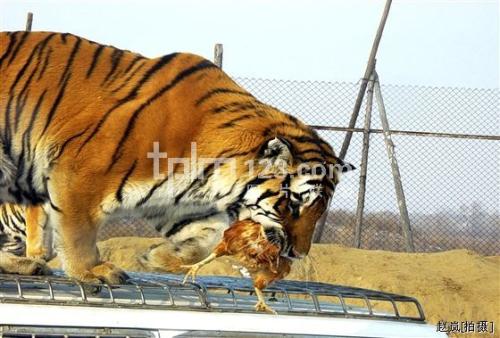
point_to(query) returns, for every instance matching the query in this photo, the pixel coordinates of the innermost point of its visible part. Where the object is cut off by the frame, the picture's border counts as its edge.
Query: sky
(447, 43)
(437, 43)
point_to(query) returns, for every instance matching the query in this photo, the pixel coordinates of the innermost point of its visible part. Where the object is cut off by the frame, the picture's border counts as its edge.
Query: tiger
(90, 133)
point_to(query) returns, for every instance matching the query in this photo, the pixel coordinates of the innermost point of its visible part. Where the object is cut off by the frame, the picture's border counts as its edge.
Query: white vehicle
(154, 305)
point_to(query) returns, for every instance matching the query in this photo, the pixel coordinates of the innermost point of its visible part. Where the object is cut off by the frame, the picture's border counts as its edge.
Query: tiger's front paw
(23, 265)
(108, 273)
(33, 267)
(102, 273)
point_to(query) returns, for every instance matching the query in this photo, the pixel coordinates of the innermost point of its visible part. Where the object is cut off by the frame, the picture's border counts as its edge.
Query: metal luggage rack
(228, 294)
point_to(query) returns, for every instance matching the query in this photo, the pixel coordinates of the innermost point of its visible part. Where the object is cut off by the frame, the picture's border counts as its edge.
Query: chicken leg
(193, 268)
(261, 303)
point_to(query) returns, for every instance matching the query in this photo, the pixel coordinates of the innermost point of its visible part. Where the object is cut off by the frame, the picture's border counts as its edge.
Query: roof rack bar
(164, 291)
(111, 294)
(202, 293)
(396, 312)
(164, 286)
(82, 291)
(420, 309)
(141, 292)
(342, 301)
(368, 304)
(107, 286)
(169, 292)
(19, 289)
(315, 301)
(231, 291)
(51, 289)
(288, 300)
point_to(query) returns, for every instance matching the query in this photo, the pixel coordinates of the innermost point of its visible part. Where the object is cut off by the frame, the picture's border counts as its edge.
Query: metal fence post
(218, 52)
(398, 185)
(29, 21)
(364, 164)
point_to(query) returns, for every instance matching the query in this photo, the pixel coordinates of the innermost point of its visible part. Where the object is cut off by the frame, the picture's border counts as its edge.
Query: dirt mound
(457, 285)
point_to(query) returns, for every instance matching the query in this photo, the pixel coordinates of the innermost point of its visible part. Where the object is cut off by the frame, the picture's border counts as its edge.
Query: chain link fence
(451, 181)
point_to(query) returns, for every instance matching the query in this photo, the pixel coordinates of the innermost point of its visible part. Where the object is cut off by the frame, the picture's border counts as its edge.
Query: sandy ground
(455, 285)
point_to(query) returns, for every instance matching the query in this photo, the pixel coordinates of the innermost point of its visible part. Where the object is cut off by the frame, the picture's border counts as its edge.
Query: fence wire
(452, 185)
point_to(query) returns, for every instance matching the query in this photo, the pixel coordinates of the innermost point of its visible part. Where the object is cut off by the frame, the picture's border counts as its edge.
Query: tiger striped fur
(84, 127)
(24, 243)
(12, 229)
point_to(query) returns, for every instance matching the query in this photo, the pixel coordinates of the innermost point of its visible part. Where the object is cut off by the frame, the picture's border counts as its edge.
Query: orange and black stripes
(78, 121)
(220, 91)
(12, 229)
(132, 121)
(131, 95)
(95, 59)
(116, 57)
(119, 192)
(17, 47)
(55, 79)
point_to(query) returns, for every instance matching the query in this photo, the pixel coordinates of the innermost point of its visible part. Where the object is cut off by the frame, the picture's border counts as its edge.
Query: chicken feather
(246, 242)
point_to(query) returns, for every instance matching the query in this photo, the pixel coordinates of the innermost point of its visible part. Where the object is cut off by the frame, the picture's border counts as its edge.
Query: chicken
(246, 242)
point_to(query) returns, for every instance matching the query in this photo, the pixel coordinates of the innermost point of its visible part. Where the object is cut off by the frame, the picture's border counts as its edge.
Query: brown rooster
(247, 243)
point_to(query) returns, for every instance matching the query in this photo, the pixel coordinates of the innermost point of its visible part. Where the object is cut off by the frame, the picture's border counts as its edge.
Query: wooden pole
(370, 67)
(218, 52)
(413, 133)
(320, 227)
(29, 21)
(364, 164)
(357, 106)
(398, 185)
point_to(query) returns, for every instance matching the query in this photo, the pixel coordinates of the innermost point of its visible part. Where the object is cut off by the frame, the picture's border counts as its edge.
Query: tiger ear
(276, 149)
(344, 166)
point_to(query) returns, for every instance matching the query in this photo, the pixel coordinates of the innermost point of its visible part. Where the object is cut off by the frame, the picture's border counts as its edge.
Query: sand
(457, 285)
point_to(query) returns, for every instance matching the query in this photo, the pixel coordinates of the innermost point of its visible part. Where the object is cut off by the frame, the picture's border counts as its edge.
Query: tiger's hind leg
(194, 242)
(39, 243)
(13, 242)
(169, 257)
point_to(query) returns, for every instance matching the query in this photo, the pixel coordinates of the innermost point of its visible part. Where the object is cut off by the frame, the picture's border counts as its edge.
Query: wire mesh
(452, 186)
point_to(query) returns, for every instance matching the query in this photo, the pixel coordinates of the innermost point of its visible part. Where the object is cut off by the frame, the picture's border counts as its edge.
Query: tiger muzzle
(277, 237)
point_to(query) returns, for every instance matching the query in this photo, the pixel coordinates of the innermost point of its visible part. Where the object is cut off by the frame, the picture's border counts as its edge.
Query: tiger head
(292, 190)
